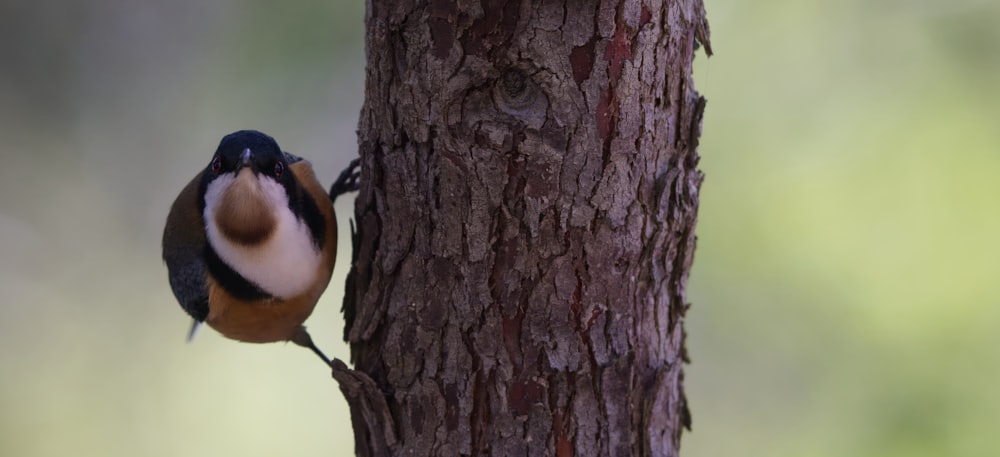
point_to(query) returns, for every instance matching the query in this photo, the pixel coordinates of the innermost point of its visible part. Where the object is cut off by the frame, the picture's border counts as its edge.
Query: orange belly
(262, 321)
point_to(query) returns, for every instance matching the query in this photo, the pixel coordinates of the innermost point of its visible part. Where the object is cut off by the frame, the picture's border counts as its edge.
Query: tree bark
(525, 228)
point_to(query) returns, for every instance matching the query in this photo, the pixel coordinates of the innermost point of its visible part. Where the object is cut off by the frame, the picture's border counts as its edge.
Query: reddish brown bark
(526, 228)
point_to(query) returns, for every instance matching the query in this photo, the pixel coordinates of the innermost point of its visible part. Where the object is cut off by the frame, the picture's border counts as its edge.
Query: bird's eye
(216, 165)
(278, 169)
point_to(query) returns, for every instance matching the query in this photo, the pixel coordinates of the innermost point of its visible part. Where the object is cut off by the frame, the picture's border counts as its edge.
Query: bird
(250, 242)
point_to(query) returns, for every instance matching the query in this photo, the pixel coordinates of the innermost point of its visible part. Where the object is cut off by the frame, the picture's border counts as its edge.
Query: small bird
(251, 241)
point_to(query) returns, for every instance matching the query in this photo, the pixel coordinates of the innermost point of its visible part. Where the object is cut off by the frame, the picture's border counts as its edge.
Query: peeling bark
(526, 228)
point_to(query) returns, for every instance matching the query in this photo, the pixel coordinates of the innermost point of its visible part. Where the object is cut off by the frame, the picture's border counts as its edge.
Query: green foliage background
(844, 292)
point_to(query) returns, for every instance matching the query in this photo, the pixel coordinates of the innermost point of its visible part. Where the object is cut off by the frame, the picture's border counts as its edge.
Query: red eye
(278, 169)
(216, 165)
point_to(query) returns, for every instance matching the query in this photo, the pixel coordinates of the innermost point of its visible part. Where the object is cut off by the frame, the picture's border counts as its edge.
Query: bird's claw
(347, 181)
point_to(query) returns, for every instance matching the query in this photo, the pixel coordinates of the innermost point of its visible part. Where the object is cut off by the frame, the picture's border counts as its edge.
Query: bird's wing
(184, 250)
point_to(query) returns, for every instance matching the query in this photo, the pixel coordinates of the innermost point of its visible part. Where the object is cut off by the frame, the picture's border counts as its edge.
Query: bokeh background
(845, 299)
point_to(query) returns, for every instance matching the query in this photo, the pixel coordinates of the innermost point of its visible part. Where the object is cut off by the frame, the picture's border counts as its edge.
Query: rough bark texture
(526, 228)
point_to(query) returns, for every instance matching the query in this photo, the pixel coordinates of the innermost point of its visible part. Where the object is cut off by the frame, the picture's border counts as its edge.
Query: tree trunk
(526, 228)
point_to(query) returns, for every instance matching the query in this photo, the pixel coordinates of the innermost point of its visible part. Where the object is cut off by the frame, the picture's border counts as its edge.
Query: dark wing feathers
(183, 250)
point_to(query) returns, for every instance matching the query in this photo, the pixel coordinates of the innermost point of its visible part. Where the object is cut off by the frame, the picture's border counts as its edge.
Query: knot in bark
(517, 94)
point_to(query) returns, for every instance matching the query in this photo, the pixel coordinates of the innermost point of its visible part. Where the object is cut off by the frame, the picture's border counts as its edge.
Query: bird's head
(245, 185)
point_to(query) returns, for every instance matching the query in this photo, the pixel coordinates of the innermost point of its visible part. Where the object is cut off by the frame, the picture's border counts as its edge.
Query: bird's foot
(347, 181)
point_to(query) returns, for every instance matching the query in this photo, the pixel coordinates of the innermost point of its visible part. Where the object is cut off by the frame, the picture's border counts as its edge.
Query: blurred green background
(844, 294)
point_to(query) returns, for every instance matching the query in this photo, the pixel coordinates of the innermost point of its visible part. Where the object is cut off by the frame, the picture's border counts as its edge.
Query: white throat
(286, 264)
